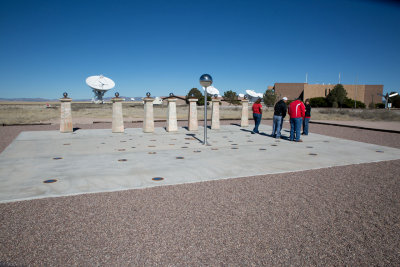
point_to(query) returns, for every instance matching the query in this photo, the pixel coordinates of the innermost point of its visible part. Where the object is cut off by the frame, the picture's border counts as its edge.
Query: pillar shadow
(236, 124)
(75, 129)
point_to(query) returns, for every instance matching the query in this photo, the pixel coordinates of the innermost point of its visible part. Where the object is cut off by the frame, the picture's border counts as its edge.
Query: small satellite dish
(241, 95)
(212, 90)
(100, 85)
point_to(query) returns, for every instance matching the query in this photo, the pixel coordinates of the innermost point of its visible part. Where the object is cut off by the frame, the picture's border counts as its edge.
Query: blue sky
(48, 47)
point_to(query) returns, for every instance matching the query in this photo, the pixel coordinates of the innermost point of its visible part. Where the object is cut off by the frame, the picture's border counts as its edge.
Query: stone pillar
(215, 114)
(148, 121)
(66, 116)
(245, 113)
(193, 123)
(117, 117)
(172, 123)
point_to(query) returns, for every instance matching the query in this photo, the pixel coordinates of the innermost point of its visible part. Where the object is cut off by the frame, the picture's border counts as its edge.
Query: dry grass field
(37, 112)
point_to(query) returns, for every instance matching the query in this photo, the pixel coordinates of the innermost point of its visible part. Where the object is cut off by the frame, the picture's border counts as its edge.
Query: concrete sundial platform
(89, 161)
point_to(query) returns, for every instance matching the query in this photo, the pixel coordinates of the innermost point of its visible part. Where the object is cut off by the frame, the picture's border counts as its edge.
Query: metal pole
(205, 116)
(355, 96)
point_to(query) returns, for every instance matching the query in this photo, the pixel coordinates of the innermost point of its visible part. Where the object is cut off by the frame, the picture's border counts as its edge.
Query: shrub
(349, 103)
(379, 105)
(318, 102)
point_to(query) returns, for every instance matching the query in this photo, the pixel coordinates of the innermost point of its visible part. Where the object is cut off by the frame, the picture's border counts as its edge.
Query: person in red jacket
(296, 112)
(257, 113)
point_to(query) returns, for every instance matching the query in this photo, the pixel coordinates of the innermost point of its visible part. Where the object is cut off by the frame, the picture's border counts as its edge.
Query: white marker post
(66, 116)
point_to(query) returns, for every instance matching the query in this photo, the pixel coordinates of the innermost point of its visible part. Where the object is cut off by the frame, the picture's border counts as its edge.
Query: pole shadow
(195, 137)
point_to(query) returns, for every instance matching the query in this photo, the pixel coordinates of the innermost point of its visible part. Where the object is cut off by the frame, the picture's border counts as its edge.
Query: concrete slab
(89, 161)
(379, 125)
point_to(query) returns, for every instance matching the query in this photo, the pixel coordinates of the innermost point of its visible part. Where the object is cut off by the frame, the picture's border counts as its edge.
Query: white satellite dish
(241, 95)
(252, 95)
(212, 90)
(100, 85)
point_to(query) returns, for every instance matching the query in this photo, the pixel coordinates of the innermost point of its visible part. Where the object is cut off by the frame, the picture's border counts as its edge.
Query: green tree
(269, 97)
(195, 93)
(231, 97)
(337, 96)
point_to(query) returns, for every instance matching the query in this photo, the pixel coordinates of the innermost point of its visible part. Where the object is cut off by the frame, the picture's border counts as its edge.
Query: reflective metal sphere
(148, 94)
(171, 94)
(206, 80)
(116, 94)
(65, 94)
(215, 96)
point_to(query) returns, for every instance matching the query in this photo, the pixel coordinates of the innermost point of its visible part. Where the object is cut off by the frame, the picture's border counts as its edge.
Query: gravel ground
(348, 215)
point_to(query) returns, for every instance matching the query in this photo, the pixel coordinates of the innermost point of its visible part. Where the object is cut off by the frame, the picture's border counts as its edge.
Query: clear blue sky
(48, 47)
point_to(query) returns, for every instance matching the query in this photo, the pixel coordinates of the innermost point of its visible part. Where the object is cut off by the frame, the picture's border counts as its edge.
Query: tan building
(361, 92)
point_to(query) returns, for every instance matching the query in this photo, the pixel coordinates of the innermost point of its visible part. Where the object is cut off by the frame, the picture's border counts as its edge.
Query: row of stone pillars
(148, 121)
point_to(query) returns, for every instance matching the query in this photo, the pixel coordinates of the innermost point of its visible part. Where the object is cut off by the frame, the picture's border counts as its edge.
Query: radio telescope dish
(212, 90)
(100, 85)
(252, 95)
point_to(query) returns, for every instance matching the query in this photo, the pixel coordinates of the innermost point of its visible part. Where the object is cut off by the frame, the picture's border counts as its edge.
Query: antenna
(100, 86)
(339, 77)
(253, 96)
(306, 77)
(355, 96)
(211, 90)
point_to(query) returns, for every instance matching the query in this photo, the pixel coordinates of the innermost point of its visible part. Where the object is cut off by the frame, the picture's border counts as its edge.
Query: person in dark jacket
(279, 114)
(307, 117)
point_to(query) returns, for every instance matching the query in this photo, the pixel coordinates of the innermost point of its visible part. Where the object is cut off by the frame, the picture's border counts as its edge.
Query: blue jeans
(295, 127)
(305, 126)
(257, 121)
(277, 126)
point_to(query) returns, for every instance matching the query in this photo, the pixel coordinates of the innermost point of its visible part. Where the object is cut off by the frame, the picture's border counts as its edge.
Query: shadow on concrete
(244, 130)
(195, 137)
(76, 129)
